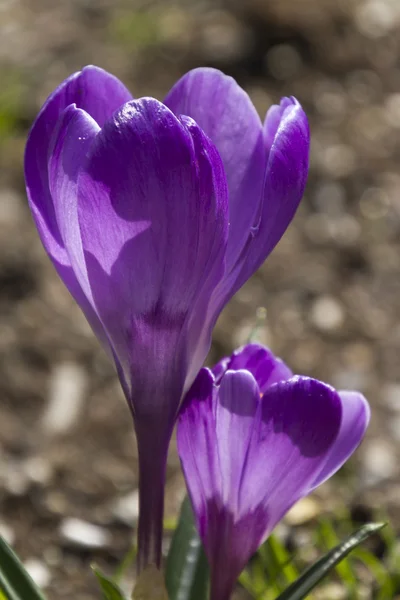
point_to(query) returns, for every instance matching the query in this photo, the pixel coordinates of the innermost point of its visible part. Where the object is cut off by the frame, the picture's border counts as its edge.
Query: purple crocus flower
(253, 439)
(153, 220)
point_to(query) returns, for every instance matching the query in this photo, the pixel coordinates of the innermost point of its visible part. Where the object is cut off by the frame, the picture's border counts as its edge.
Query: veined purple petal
(197, 443)
(226, 114)
(299, 423)
(356, 416)
(68, 151)
(153, 186)
(70, 146)
(285, 180)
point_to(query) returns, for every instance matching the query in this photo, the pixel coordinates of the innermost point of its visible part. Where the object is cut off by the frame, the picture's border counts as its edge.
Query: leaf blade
(186, 574)
(15, 581)
(109, 588)
(313, 575)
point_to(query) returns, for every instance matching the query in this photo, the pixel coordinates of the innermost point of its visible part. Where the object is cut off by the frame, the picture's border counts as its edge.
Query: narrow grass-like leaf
(186, 574)
(15, 582)
(312, 576)
(125, 564)
(110, 589)
(343, 569)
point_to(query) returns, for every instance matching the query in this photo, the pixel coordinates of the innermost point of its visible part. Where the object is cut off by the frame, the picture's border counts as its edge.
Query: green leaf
(186, 574)
(110, 589)
(312, 576)
(15, 582)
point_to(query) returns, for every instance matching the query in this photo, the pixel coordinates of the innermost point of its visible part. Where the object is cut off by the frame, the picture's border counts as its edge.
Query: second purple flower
(253, 439)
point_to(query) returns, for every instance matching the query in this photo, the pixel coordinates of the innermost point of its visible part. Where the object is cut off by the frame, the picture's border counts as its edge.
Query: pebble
(14, 479)
(7, 533)
(391, 396)
(83, 534)
(375, 18)
(126, 508)
(303, 511)
(66, 395)
(38, 470)
(332, 590)
(327, 313)
(38, 571)
(379, 462)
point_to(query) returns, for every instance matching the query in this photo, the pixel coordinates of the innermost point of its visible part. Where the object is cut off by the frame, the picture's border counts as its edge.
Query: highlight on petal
(99, 94)
(238, 401)
(226, 114)
(71, 142)
(69, 148)
(355, 420)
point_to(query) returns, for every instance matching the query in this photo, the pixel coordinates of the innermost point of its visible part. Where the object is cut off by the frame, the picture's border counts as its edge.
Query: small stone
(38, 470)
(66, 396)
(83, 534)
(303, 511)
(375, 18)
(332, 590)
(15, 480)
(392, 110)
(38, 571)
(391, 396)
(7, 533)
(327, 314)
(379, 462)
(126, 508)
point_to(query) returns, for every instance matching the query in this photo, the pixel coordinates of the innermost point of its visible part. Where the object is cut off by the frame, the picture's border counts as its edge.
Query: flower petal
(68, 154)
(239, 397)
(196, 437)
(153, 219)
(266, 368)
(356, 416)
(99, 94)
(69, 148)
(226, 114)
(285, 181)
(298, 425)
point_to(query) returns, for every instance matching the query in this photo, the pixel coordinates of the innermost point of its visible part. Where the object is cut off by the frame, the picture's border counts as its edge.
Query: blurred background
(330, 290)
